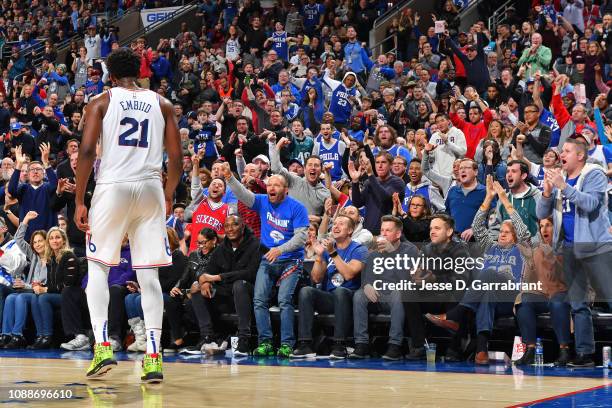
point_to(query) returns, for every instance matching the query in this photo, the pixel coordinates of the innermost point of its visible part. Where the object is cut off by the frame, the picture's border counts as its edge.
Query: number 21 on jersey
(130, 136)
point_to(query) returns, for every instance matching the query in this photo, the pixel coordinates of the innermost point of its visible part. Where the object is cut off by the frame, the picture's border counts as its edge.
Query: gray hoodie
(591, 223)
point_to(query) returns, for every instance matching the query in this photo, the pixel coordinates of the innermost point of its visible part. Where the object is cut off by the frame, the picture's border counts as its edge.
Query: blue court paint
(368, 364)
(590, 398)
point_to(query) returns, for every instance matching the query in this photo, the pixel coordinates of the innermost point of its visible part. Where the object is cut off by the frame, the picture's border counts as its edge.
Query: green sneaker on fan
(265, 349)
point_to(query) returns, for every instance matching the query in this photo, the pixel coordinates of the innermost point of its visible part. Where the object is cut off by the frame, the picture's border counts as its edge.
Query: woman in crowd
(548, 272)
(62, 271)
(492, 164)
(498, 132)
(416, 221)
(506, 260)
(16, 304)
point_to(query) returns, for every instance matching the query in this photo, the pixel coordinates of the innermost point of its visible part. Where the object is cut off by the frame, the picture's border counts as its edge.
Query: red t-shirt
(206, 216)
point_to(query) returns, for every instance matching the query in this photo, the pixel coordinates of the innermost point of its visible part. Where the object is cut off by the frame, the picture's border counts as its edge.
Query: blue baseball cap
(15, 126)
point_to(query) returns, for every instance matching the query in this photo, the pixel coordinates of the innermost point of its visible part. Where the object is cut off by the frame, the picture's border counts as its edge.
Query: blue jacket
(591, 223)
(161, 69)
(463, 207)
(35, 199)
(357, 57)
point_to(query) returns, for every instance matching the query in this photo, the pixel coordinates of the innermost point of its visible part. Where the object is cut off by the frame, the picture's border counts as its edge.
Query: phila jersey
(132, 140)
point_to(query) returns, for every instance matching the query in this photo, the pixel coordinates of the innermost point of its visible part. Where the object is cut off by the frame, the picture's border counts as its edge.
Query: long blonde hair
(63, 250)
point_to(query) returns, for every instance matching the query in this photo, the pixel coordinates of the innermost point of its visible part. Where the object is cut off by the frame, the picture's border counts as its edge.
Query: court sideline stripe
(554, 397)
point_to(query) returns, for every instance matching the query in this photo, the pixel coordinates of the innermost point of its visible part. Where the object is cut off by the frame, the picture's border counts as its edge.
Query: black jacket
(169, 275)
(416, 231)
(444, 272)
(197, 264)
(241, 264)
(64, 273)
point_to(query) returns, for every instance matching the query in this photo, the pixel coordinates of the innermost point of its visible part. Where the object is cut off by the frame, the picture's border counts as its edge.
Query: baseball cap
(295, 161)
(463, 33)
(15, 126)
(579, 59)
(262, 157)
(586, 138)
(192, 115)
(91, 26)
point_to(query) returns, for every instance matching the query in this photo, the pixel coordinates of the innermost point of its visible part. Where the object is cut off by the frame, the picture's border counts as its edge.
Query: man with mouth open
(284, 228)
(576, 197)
(463, 200)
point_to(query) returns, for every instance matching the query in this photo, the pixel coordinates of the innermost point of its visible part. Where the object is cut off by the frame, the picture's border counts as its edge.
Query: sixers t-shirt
(333, 278)
(548, 119)
(569, 213)
(279, 221)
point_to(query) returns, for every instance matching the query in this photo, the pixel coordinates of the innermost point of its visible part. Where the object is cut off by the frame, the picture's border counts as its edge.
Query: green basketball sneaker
(265, 349)
(103, 361)
(152, 368)
(285, 351)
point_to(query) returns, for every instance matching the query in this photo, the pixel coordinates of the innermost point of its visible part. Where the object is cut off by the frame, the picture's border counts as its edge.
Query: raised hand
(30, 216)
(20, 158)
(45, 149)
(226, 171)
(490, 194)
(354, 174)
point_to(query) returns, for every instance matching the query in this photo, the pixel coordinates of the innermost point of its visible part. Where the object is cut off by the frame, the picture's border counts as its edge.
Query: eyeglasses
(36, 170)
(204, 242)
(531, 111)
(415, 205)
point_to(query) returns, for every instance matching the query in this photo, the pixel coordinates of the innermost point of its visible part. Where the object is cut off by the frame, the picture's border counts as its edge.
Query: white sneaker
(138, 345)
(80, 342)
(215, 348)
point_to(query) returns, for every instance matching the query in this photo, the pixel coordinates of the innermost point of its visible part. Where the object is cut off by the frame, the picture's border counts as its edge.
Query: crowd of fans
(301, 148)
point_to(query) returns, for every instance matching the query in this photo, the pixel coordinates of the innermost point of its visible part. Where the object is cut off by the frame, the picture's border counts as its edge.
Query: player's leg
(97, 301)
(109, 215)
(150, 250)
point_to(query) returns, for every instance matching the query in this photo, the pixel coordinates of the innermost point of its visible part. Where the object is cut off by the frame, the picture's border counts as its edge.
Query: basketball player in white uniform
(132, 125)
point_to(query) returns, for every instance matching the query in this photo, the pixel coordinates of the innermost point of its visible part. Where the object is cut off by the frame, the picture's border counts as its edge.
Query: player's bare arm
(172, 144)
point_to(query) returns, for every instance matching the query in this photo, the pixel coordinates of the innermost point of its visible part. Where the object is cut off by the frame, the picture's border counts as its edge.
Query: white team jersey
(132, 140)
(232, 49)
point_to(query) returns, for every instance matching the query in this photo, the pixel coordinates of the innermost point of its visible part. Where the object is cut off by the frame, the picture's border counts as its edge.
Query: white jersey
(232, 49)
(132, 140)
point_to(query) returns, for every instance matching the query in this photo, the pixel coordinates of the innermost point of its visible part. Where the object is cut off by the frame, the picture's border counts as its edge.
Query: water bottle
(539, 353)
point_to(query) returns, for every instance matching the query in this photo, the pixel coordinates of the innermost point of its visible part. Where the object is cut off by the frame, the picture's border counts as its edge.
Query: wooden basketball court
(269, 383)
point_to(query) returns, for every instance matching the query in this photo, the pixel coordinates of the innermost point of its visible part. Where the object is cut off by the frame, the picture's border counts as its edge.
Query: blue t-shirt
(279, 221)
(569, 212)
(333, 278)
(548, 119)
(312, 14)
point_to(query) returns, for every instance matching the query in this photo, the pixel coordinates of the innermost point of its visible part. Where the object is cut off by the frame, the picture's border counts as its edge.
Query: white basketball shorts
(136, 208)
